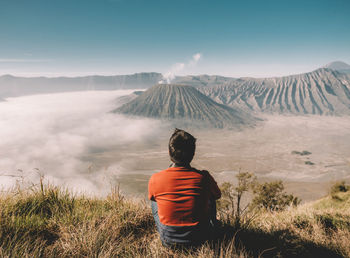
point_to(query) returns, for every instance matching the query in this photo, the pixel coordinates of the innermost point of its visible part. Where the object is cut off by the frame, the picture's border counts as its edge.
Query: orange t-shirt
(182, 195)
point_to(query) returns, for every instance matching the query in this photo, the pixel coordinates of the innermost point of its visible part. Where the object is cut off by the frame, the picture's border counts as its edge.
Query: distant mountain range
(185, 104)
(11, 86)
(323, 91)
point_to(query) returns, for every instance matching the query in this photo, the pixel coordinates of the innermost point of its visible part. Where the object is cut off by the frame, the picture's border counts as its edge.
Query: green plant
(309, 163)
(272, 197)
(302, 153)
(230, 203)
(339, 187)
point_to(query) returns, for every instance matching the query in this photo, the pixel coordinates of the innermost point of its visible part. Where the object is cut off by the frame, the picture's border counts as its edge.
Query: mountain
(201, 80)
(11, 86)
(323, 91)
(184, 104)
(339, 66)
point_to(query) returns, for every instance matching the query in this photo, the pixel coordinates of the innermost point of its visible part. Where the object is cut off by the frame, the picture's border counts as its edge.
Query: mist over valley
(77, 139)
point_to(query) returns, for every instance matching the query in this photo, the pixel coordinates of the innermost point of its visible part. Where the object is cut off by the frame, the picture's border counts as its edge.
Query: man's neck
(176, 165)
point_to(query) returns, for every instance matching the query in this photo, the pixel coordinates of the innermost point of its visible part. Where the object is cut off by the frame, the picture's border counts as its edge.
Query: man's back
(183, 195)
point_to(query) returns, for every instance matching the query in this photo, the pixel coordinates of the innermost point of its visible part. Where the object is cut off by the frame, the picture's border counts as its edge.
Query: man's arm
(213, 186)
(150, 189)
(214, 189)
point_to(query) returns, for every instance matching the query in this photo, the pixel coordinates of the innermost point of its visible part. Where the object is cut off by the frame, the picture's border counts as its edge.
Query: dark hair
(182, 146)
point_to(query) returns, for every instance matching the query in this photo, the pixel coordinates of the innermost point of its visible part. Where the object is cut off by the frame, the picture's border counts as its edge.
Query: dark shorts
(182, 235)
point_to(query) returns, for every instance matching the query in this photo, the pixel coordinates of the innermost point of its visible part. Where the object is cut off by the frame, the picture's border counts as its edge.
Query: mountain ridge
(12, 86)
(323, 91)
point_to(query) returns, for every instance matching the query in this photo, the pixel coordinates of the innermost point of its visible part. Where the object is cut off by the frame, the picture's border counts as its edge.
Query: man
(182, 197)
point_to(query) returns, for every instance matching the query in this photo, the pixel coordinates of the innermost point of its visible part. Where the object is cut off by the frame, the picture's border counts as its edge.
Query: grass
(48, 221)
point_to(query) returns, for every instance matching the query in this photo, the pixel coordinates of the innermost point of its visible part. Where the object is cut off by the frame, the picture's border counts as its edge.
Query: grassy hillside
(46, 221)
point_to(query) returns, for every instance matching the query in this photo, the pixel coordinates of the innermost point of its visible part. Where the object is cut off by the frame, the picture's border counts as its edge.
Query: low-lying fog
(72, 139)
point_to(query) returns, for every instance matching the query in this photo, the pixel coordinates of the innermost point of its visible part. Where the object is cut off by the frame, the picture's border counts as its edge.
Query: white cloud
(196, 57)
(62, 134)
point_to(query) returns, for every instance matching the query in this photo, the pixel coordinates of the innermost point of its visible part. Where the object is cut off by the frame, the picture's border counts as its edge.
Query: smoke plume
(180, 67)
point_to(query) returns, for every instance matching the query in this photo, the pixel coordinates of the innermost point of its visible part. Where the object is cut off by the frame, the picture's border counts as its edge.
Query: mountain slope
(185, 103)
(323, 91)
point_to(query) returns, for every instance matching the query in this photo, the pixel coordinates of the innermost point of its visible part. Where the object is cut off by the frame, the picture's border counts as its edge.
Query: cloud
(68, 137)
(180, 67)
(196, 57)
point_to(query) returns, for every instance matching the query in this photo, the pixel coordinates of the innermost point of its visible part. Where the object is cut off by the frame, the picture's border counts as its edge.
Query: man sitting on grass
(182, 197)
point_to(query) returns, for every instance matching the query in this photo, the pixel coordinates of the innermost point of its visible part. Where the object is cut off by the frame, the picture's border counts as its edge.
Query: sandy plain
(267, 150)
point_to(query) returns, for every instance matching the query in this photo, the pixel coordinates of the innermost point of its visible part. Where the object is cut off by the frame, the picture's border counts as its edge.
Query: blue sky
(235, 38)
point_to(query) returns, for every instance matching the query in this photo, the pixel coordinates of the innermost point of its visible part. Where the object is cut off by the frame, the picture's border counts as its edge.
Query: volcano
(187, 104)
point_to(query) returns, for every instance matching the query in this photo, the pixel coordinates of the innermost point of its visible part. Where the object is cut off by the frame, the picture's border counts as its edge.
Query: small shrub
(303, 153)
(302, 222)
(309, 163)
(271, 196)
(230, 204)
(339, 187)
(333, 221)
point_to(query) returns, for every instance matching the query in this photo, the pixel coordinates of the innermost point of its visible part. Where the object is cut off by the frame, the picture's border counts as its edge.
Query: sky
(175, 37)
